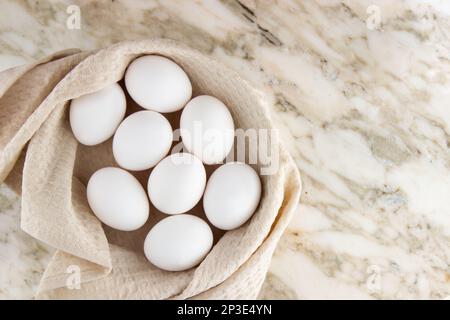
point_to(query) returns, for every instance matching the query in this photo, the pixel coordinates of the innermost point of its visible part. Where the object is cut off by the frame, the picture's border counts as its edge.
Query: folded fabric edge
(71, 276)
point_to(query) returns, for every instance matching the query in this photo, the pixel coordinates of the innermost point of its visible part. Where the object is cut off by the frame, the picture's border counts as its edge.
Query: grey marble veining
(360, 91)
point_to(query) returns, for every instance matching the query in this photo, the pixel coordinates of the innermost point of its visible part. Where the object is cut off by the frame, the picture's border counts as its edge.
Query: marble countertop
(361, 93)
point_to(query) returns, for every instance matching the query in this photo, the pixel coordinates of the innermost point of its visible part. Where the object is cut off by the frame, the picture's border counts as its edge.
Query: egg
(178, 242)
(157, 83)
(94, 117)
(232, 195)
(117, 199)
(142, 140)
(177, 183)
(207, 129)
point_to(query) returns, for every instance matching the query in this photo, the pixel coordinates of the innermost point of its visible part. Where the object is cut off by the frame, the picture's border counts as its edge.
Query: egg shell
(117, 199)
(94, 117)
(177, 183)
(157, 83)
(142, 140)
(232, 195)
(178, 242)
(207, 129)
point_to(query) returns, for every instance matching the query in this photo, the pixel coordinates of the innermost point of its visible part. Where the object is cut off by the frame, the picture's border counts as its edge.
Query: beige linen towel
(41, 159)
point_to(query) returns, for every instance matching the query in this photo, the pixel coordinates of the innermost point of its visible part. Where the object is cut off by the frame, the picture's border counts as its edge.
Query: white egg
(177, 183)
(117, 199)
(94, 117)
(207, 129)
(157, 83)
(178, 243)
(232, 195)
(142, 140)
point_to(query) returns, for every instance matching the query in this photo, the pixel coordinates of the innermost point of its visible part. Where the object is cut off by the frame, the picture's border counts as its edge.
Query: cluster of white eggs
(177, 182)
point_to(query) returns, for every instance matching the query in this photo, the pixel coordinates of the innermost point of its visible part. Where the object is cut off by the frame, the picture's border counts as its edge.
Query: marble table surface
(360, 91)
